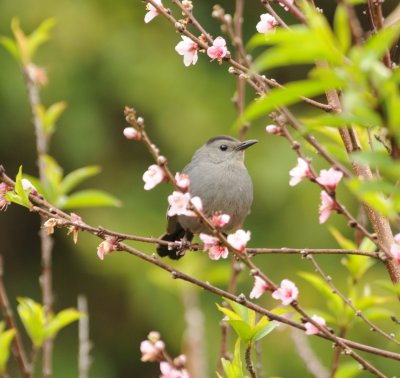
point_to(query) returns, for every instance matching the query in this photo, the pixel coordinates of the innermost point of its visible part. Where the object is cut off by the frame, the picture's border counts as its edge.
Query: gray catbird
(219, 177)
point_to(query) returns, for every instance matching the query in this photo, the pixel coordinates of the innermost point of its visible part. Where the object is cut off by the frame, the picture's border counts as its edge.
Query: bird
(218, 176)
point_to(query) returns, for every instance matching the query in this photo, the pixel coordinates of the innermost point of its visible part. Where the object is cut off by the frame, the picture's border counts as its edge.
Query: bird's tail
(173, 253)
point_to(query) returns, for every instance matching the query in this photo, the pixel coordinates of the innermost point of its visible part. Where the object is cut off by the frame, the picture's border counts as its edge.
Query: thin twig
(249, 362)
(46, 241)
(84, 360)
(18, 347)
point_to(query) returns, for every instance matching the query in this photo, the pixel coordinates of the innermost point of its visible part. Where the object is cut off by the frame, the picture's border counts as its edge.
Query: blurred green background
(102, 57)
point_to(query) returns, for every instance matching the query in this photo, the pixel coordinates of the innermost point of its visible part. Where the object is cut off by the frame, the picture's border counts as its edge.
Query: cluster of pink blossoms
(329, 178)
(153, 350)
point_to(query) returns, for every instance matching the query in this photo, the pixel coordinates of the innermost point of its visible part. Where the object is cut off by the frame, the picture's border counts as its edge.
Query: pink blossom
(218, 50)
(169, 371)
(214, 247)
(188, 49)
(3, 202)
(311, 329)
(152, 11)
(329, 178)
(179, 204)
(182, 181)
(285, 7)
(326, 207)
(132, 133)
(260, 286)
(273, 129)
(188, 5)
(395, 251)
(239, 239)
(287, 292)
(397, 238)
(151, 351)
(266, 24)
(219, 220)
(300, 172)
(153, 176)
(106, 247)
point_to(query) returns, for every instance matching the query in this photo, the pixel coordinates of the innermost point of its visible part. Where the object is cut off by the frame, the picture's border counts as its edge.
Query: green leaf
(53, 175)
(19, 196)
(40, 36)
(341, 240)
(74, 178)
(357, 265)
(50, 116)
(234, 369)
(32, 317)
(263, 328)
(377, 45)
(6, 338)
(229, 313)
(61, 320)
(88, 198)
(242, 329)
(288, 95)
(11, 47)
(342, 28)
(242, 311)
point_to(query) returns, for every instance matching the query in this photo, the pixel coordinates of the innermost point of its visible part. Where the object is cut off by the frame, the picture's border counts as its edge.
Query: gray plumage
(219, 177)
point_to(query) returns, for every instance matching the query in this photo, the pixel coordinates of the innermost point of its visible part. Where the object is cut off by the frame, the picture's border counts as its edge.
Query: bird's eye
(223, 147)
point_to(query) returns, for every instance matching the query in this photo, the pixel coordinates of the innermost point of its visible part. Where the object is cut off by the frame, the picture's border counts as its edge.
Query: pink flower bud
(326, 207)
(153, 176)
(220, 220)
(132, 134)
(182, 181)
(273, 129)
(395, 251)
(267, 24)
(311, 329)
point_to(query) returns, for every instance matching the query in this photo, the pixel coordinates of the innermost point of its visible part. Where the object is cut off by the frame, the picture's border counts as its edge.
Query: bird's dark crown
(221, 137)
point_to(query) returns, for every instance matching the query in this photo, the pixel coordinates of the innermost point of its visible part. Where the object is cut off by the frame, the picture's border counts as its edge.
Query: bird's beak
(246, 144)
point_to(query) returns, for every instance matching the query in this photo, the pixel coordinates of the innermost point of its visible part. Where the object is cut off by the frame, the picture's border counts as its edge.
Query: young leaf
(341, 240)
(50, 116)
(285, 96)
(242, 311)
(39, 36)
(32, 317)
(6, 338)
(263, 328)
(20, 196)
(342, 28)
(74, 178)
(61, 320)
(242, 329)
(88, 198)
(234, 369)
(11, 47)
(53, 176)
(229, 313)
